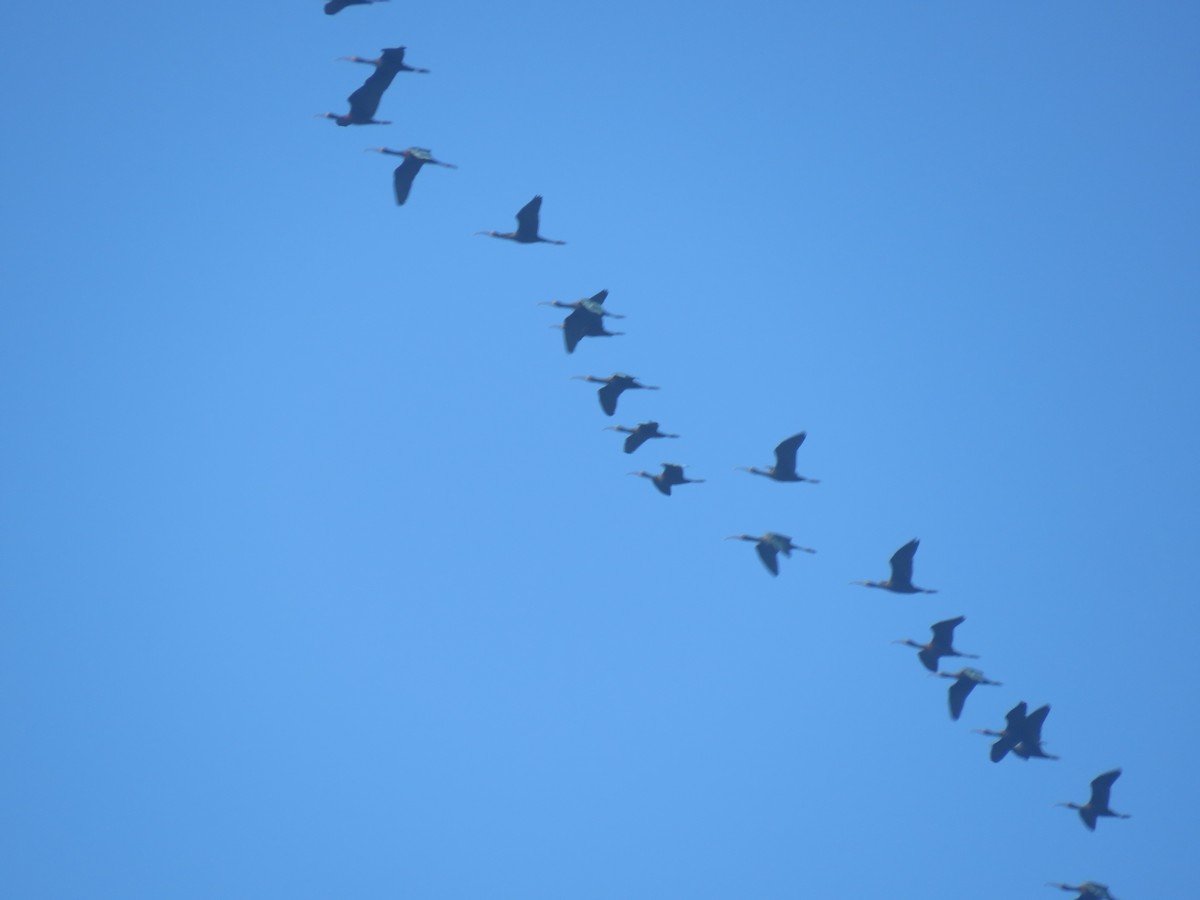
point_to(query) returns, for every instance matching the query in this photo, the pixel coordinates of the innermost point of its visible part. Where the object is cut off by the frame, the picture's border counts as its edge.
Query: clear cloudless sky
(321, 578)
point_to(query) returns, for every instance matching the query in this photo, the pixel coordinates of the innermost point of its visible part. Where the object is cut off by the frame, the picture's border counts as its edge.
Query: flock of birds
(1022, 734)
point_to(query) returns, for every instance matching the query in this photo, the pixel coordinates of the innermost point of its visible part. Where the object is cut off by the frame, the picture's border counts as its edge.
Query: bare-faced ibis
(1089, 890)
(614, 385)
(586, 319)
(364, 102)
(638, 436)
(527, 226)
(414, 159)
(333, 7)
(902, 567)
(785, 461)
(769, 546)
(1097, 804)
(1022, 734)
(941, 644)
(671, 476)
(966, 680)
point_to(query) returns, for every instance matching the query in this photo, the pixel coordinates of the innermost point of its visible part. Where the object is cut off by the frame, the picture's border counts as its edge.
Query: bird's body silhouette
(639, 435)
(902, 568)
(1022, 734)
(1089, 890)
(414, 159)
(527, 226)
(785, 461)
(586, 319)
(965, 681)
(941, 644)
(1097, 804)
(769, 546)
(333, 7)
(615, 385)
(671, 476)
(364, 102)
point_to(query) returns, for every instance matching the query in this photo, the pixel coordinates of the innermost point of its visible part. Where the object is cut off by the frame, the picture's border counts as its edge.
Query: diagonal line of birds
(1022, 732)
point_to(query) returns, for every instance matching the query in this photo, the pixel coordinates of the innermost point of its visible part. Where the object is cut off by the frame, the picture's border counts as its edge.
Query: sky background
(321, 578)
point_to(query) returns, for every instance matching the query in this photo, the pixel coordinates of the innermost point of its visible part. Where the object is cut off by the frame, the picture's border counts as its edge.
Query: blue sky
(321, 578)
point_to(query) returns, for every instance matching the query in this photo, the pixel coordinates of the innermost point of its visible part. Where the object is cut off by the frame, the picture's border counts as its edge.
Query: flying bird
(586, 319)
(614, 386)
(941, 644)
(785, 461)
(364, 102)
(1097, 804)
(671, 476)
(1022, 734)
(902, 566)
(527, 226)
(414, 159)
(962, 687)
(1089, 890)
(639, 435)
(333, 7)
(769, 546)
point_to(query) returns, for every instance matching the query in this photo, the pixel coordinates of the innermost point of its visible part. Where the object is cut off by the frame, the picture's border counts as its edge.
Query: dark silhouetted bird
(333, 7)
(1022, 734)
(962, 687)
(414, 158)
(1089, 890)
(638, 436)
(941, 644)
(769, 546)
(614, 386)
(902, 566)
(527, 226)
(785, 461)
(1097, 805)
(671, 476)
(364, 102)
(586, 319)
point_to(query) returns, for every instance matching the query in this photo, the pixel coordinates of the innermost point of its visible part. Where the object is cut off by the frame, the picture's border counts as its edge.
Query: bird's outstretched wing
(673, 474)
(527, 219)
(1015, 717)
(959, 692)
(392, 59)
(902, 563)
(608, 397)
(575, 327)
(636, 440)
(1102, 788)
(402, 178)
(1034, 722)
(364, 102)
(929, 659)
(943, 632)
(769, 556)
(333, 7)
(1001, 747)
(785, 454)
